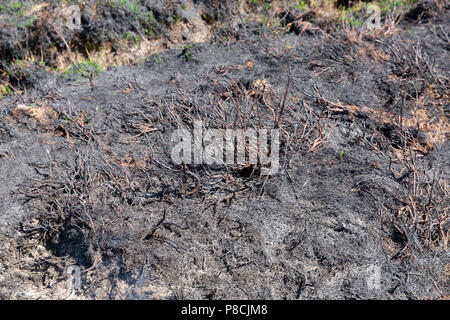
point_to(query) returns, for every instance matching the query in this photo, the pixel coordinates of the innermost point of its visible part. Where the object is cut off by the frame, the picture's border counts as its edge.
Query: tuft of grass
(84, 68)
(14, 8)
(186, 52)
(356, 15)
(299, 5)
(4, 90)
(133, 6)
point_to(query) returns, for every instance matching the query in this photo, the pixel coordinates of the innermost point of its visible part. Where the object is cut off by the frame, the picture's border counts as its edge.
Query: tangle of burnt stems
(79, 199)
(420, 215)
(78, 196)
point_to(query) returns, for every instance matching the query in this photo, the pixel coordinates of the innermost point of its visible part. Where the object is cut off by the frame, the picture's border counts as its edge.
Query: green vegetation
(356, 15)
(4, 90)
(15, 8)
(300, 5)
(149, 31)
(392, 6)
(149, 16)
(187, 53)
(132, 5)
(265, 4)
(84, 68)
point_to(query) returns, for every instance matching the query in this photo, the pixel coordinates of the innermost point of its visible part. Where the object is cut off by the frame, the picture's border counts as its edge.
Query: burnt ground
(87, 178)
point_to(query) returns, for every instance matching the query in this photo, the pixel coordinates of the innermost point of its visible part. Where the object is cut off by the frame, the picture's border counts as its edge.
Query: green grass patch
(84, 68)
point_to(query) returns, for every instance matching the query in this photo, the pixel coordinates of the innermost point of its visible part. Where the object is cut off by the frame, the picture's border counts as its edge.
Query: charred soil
(358, 209)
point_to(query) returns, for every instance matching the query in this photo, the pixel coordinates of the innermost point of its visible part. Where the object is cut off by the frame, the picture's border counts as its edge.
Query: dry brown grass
(43, 114)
